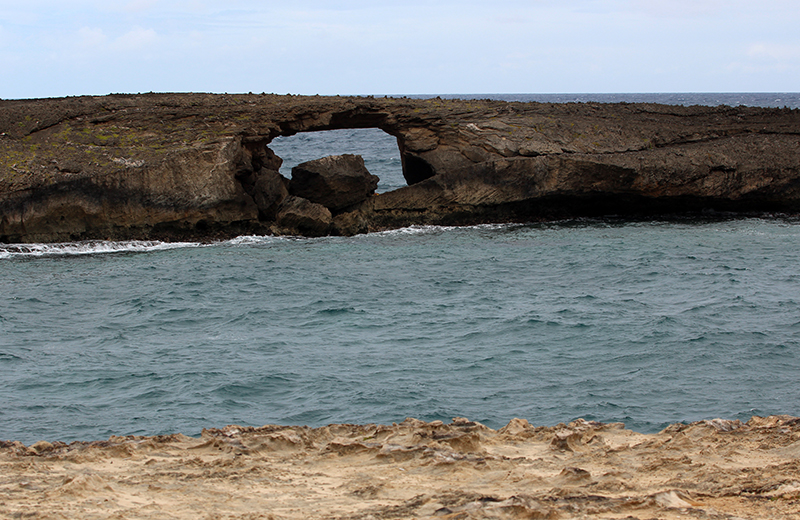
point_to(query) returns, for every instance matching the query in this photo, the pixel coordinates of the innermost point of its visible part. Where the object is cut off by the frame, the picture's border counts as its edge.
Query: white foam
(88, 248)
(413, 230)
(96, 247)
(424, 230)
(246, 240)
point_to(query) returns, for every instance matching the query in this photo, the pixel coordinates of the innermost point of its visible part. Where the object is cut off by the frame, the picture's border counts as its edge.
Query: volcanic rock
(269, 191)
(177, 166)
(300, 216)
(336, 181)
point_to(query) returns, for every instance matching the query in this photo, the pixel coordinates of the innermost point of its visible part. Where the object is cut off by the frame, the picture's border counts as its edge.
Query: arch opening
(380, 152)
(416, 169)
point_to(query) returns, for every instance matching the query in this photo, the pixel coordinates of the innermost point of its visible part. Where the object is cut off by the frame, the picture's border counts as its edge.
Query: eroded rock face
(269, 191)
(713, 469)
(336, 181)
(730, 176)
(299, 216)
(176, 166)
(186, 193)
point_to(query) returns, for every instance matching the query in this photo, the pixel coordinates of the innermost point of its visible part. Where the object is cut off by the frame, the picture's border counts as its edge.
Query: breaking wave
(98, 247)
(93, 247)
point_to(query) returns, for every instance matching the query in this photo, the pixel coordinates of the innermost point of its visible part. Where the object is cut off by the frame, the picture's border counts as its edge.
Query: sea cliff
(176, 166)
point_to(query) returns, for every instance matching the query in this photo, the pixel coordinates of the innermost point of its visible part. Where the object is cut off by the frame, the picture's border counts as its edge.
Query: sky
(371, 47)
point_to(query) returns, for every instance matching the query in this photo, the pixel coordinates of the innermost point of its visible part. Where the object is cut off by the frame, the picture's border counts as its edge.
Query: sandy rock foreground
(712, 469)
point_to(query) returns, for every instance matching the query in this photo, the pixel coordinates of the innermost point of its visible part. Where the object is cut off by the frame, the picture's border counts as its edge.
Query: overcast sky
(59, 48)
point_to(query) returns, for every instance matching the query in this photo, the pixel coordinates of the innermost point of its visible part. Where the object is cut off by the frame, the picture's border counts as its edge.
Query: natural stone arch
(416, 169)
(379, 149)
(417, 145)
(182, 166)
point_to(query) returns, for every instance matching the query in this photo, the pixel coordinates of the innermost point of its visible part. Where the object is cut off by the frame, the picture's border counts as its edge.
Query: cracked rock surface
(716, 469)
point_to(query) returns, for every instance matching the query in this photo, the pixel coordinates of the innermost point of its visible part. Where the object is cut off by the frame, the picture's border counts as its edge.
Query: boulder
(269, 191)
(300, 216)
(336, 181)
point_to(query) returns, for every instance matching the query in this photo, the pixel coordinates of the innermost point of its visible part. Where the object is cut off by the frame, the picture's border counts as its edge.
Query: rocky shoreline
(714, 469)
(199, 166)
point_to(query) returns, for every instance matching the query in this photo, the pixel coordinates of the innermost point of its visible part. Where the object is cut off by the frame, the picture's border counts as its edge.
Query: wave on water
(257, 240)
(647, 323)
(97, 247)
(427, 230)
(93, 247)
(413, 230)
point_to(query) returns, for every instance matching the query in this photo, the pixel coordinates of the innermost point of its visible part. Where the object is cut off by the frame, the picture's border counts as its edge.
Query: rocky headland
(177, 166)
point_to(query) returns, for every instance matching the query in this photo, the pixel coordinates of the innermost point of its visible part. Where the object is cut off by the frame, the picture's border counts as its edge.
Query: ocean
(643, 322)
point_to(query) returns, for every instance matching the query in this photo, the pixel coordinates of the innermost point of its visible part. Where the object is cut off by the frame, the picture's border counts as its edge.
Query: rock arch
(380, 151)
(411, 140)
(179, 166)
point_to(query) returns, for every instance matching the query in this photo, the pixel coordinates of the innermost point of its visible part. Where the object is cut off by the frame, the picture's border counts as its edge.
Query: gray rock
(336, 181)
(297, 215)
(269, 192)
(198, 166)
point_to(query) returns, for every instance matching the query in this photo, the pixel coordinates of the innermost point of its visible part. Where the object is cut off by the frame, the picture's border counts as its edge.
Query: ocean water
(753, 99)
(648, 323)
(379, 150)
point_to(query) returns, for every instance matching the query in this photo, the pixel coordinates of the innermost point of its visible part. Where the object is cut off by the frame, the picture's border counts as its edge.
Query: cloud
(680, 8)
(137, 6)
(774, 51)
(91, 38)
(363, 46)
(740, 12)
(94, 40)
(136, 39)
(773, 66)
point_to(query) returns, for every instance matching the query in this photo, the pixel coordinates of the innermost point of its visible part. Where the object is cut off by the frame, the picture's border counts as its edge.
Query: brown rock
(41, 447)
(413, 470)
(186, 191)
(350, 223)
(336, 181)
(269, 191)
(297, 215)
(177, 166)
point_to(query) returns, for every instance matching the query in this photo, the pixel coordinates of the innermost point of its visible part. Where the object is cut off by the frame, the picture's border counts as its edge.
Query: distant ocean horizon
(756, 99)
(382, 157)
(647, 323)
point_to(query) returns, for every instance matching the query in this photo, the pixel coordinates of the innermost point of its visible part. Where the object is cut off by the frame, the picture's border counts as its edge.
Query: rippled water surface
(645, 323)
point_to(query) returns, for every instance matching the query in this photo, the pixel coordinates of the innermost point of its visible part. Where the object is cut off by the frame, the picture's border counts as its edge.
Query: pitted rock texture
(714, 469)
(176, 166)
